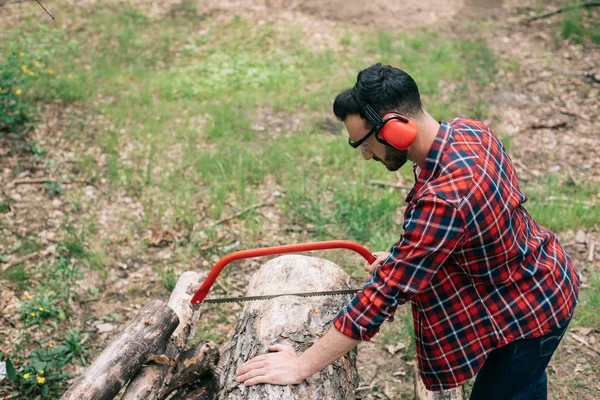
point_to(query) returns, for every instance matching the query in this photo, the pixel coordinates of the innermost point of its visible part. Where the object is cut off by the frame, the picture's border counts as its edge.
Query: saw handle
(266, 251)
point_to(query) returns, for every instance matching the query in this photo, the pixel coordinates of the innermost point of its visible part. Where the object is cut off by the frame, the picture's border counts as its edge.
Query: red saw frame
(202, 292)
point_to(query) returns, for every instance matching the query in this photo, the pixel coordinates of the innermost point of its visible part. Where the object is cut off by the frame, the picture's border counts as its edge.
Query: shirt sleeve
(433, 228)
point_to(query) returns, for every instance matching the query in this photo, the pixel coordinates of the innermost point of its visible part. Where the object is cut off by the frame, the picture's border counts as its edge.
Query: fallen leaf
(584, 331)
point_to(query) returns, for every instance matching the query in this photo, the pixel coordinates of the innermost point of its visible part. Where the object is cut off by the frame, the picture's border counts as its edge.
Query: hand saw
(202, 292)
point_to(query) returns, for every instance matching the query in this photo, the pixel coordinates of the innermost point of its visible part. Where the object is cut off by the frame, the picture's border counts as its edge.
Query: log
(421, 392)
(290, 320)
(196, 366)
(152, 381)
(145, 335)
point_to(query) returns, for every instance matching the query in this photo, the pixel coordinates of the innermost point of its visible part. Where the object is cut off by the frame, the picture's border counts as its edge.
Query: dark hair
(385, 88)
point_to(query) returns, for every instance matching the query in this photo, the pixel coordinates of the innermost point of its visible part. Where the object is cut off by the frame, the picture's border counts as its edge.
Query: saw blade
(271, 296)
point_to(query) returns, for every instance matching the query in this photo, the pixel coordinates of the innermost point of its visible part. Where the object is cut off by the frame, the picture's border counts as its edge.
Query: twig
(584, 342)
(28, 181)
(590, 256)
(18, 261)
(44, 9)
(239, 214)
(394, 185)
(563, 9)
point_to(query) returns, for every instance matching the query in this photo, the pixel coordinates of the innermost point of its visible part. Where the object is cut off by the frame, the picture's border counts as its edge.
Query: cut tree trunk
(115, 366)
(290, 320)
(153, 380)
(421, 392)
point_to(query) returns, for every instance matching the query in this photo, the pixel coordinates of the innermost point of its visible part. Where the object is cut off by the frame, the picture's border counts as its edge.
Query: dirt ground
(549, 108)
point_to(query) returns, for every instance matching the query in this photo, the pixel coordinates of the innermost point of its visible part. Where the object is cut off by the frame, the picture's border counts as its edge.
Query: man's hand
(279, 368)
(381, 256)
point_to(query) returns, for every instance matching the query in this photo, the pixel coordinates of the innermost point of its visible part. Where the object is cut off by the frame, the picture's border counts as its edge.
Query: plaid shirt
(477, 269)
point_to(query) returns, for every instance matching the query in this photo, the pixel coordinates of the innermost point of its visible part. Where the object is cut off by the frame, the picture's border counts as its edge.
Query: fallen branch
(388, 184)
(239, 214)
(563, 9)
(118, 363)
(584, 342)
(29, 181)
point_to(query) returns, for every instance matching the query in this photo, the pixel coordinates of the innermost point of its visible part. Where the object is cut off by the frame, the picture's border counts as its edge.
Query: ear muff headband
(367, 110)
(393, 129)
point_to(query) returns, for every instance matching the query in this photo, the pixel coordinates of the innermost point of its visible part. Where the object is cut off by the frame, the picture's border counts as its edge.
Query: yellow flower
(41, 372)
(51, 72)
(18, 92)
(22, 54)
(24, 68)
(32, 314)
(41, 308)
(40, 379)
(31, 73)
(50, 345)
(37, 63)
(27, 375)
(30, 296)
(70, 76)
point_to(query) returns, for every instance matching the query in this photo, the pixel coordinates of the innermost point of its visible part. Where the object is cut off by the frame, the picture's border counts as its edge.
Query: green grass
(179, 133)
(579, 25)
(560, 205)
(587, 313)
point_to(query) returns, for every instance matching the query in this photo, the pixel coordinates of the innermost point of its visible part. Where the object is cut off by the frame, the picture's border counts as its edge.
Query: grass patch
(560, 205)
(587, 312)
(579, 25)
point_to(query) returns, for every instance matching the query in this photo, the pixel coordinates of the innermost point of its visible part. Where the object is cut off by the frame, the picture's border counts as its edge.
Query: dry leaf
(585, 331)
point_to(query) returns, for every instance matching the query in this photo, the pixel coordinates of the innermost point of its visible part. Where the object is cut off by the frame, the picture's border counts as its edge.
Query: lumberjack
(492, 292)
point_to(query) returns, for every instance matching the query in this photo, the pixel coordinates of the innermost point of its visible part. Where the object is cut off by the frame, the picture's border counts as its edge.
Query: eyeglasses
(360, 144)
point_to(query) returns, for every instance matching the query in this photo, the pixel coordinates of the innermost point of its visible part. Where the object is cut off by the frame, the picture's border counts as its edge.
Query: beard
(394, 158)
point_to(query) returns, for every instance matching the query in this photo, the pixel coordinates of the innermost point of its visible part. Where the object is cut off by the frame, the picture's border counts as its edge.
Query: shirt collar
(422, 176)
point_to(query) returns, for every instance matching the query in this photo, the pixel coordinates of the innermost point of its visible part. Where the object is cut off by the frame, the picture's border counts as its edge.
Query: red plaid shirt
(477, 269)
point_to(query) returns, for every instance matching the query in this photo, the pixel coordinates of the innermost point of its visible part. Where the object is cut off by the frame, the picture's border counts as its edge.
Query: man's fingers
(253, 373)
(258, 379)
(277, 347)
(257, 362)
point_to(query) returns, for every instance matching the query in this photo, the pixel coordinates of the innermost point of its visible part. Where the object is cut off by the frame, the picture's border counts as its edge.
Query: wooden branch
(394, 185)
(421, 392)
(151, 380)
(583, 342)
(290, 320)
(196, 363)
(206, 389)
(114, 367)
(29, 181)
(563, 9)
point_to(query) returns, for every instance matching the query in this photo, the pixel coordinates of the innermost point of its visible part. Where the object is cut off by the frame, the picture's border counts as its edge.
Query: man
(492, 292)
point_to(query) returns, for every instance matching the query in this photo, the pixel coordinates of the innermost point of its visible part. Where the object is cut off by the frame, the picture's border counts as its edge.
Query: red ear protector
(394, 129)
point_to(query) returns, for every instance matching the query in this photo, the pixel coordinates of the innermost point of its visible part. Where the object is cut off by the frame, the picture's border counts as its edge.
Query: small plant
(14, 112)
(37, 366)
(168, 278)
(54, 188)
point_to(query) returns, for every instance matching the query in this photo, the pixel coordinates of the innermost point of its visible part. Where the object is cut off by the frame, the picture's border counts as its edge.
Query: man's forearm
(325, 351)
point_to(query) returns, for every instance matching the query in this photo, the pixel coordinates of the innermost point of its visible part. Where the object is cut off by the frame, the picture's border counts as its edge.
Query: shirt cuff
(347, 326)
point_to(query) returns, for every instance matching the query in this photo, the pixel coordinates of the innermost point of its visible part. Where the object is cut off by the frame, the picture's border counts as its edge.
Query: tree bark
(195, 368)
(152, 381)
(291, 320)
(421, 392)
(115, 366)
